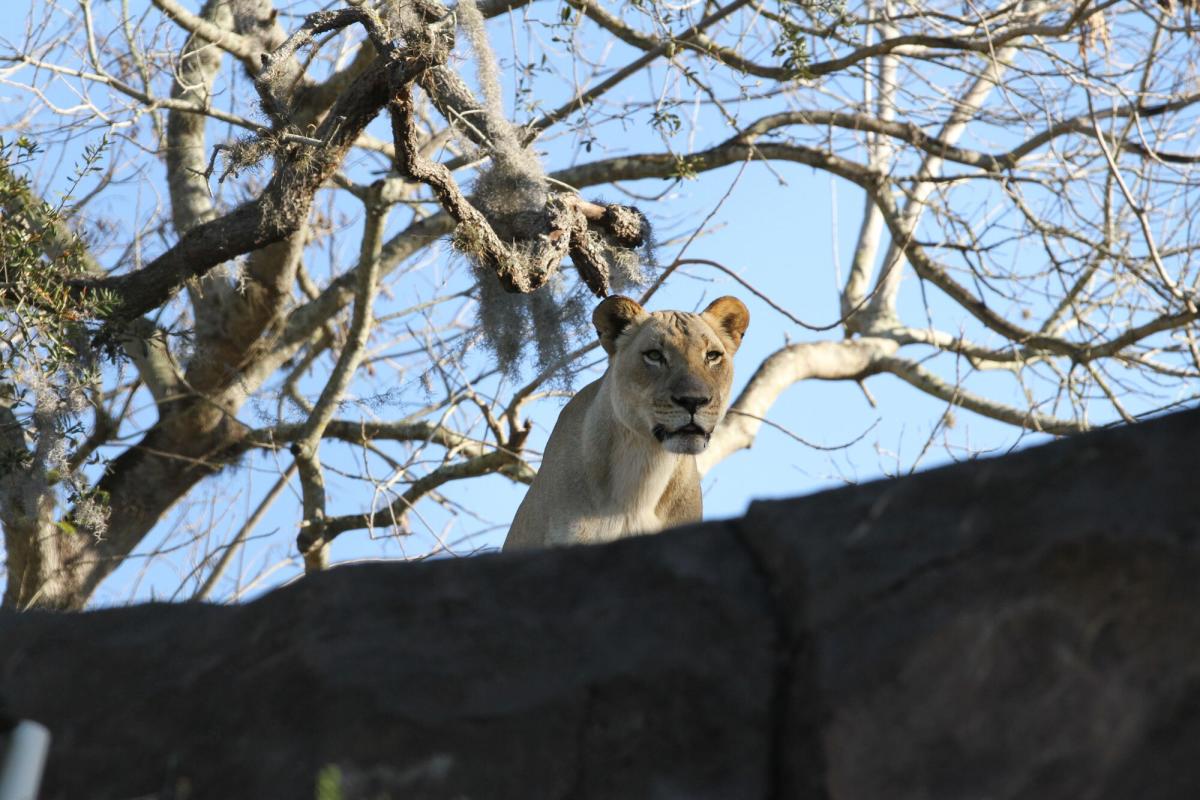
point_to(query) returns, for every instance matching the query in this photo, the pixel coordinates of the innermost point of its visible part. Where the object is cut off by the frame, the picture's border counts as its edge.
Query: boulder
(1019, 627)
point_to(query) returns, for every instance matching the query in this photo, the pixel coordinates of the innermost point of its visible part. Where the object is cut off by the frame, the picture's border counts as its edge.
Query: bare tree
(1029, 169)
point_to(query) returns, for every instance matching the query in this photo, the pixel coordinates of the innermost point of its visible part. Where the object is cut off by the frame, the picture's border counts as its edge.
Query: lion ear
(612, 317)
(728, 316)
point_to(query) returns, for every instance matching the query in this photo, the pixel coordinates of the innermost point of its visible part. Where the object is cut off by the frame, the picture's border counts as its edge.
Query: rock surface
(1023, 627)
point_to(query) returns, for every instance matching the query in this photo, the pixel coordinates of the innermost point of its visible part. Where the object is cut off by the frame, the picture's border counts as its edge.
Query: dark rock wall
(1024, 627)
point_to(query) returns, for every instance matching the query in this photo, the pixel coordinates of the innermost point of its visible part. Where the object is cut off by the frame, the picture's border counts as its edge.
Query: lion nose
(691, 403)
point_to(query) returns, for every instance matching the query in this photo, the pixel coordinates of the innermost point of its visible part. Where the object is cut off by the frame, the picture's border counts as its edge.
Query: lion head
(671, 370)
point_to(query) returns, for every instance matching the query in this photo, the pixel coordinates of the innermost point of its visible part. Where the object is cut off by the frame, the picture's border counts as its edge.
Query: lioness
(622, 458)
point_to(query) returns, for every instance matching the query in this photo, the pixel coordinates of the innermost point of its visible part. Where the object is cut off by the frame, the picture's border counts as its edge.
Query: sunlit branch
(312, 542)
(926, 381)
(500, 460)
(840, 360)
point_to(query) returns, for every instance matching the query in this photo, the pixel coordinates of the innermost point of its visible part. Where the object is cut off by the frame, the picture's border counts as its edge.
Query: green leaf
(329, 783)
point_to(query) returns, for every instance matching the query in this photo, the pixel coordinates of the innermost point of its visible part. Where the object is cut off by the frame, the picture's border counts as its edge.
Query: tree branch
(879, 156)
(312, 542)
(235, 544)
(926, 381)
(238, 46)
(850, 359)
(364, 431)
(586, 97)
(698, 41)
(984, 45)
(274, 215)
(503, 459)
(882, 304)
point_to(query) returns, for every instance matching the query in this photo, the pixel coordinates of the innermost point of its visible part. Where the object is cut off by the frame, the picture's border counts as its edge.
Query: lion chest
(624, 503)
(594, 528)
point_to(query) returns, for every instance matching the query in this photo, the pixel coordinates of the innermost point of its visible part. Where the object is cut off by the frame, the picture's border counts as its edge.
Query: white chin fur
(686, 444)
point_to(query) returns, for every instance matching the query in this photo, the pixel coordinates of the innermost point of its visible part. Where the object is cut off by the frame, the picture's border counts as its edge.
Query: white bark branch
(883, 303)
(879, 154)
(926, 381)
(840, 360)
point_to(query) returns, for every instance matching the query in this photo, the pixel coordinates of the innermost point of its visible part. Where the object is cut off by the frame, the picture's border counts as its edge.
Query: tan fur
(621, 461)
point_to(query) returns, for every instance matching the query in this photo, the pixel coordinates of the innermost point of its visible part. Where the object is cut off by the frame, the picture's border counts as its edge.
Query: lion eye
(713, 356)
(653, 357)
